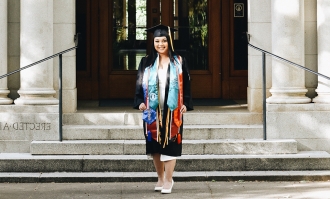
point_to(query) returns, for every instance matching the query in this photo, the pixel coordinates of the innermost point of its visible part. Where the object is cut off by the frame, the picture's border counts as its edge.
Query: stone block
(64, 11)
(255, 72)
(256, 14)
(254, 98)
(24, 162)
(260, 37)
(196, 132)
(126, 133)
(14, 39)
(94, 118)
(132, 147)
(70, 100)
(133, 119)
(234, 147)
(238, 132)
(321, 144)
(222, 118)
(13, 80)
(310, 13)
(311, 38)
(64, 38)
(311, 80)
(92, 147)
(106, 132)
(69, 72)
(85, 132)
(14, 11)
(14, 146)
(113, 164)
(301, 122)
(22, 124)
(192, 148)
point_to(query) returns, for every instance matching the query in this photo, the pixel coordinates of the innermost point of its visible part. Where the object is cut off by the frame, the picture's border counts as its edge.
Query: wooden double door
(111, 45)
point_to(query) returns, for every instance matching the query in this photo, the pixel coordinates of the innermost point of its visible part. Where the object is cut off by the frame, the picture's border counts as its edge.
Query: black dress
(173, 148)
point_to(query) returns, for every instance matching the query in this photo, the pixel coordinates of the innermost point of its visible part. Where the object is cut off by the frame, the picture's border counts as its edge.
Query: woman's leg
(159, 165)
(169, 169)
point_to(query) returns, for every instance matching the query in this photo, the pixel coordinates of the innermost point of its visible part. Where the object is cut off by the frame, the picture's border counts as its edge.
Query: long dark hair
(153, 54)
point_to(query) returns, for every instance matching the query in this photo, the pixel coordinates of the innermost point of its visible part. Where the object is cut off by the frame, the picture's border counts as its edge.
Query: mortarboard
(161, 30)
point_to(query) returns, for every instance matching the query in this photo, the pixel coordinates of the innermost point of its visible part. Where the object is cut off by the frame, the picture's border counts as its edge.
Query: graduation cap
(161, 30)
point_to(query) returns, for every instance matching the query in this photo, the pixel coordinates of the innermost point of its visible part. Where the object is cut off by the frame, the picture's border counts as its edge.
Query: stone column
(4, 53)
(36, 43)
(288, 82)
(323, 32)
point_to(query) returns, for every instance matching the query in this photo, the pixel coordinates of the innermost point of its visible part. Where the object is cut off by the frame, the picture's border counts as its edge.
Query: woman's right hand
(142, 107)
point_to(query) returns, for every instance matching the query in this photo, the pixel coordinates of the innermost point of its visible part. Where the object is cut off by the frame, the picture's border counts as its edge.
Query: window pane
(191, 40)
(129, 36)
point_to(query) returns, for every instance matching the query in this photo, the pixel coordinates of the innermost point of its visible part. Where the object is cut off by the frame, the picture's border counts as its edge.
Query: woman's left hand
(183, 109)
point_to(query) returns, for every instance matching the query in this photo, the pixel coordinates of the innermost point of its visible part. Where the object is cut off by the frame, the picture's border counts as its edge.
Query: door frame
(219, 81)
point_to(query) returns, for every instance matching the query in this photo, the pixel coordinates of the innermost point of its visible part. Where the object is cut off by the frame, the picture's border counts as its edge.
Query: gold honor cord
(169, 32)
(166, 131)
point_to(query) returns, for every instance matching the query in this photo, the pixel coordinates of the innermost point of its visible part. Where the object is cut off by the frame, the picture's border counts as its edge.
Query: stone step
(302, 161)
(137, 147)
(179, 176)
(135, 132)
(135, 118)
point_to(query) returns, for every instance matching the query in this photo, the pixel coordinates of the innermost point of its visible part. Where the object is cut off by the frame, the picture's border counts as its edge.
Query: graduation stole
(153, 116)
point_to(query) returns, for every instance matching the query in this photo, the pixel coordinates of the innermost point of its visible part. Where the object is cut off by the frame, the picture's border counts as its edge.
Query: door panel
(87, 53)
(234, 78)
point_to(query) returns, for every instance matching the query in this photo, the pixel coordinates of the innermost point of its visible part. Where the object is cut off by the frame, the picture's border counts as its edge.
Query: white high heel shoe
(168, 190)
(158, 188)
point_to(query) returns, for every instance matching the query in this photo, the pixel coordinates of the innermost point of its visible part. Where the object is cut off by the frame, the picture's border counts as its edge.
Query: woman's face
(161, 45)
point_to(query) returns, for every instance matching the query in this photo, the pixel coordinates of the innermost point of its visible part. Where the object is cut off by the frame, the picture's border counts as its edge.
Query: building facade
(297, 104)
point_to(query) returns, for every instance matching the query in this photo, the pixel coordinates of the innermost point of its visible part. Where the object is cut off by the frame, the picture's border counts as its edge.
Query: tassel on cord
(166, 131)
(169, 32)
(161, 125)
(170, 131)
(160, 117)
(157, 125)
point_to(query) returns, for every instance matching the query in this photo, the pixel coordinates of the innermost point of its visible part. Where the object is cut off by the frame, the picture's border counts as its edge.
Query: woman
(163, 94)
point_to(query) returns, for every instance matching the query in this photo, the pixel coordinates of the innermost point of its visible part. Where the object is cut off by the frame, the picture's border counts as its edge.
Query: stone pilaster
(64, 31)
(4, 52)
(259, 26)
(323, 28)
(36, 42)
(288, 82)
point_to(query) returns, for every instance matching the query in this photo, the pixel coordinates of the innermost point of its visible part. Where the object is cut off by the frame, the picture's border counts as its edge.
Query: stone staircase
(215, 140)
(205, 133)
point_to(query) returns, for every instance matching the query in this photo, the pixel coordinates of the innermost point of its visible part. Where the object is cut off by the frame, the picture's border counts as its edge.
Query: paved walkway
(203, 190)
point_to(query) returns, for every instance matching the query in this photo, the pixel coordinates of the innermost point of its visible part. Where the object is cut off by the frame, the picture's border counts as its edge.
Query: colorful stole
(153, 116)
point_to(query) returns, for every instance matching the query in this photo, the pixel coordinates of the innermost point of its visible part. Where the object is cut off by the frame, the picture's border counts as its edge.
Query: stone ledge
(297, 107)
(134, 132)
(137, 147)
(130, 118)
(59, 177)
(303, 161)
(18, 109)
